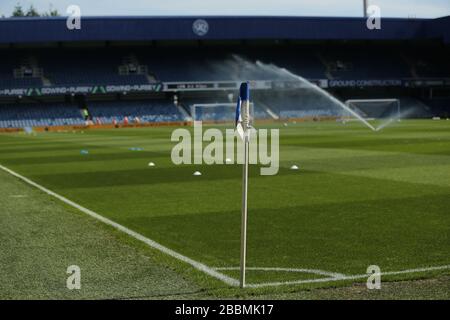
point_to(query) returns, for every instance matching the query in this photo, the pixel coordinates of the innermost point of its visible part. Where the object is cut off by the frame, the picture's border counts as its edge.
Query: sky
(348, 8)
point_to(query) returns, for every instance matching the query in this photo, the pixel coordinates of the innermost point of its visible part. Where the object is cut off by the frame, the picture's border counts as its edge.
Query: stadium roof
(36, 30)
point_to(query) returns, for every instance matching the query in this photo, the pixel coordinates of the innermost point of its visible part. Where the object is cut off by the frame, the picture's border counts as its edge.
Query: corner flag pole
(243, 126)
(244, 209)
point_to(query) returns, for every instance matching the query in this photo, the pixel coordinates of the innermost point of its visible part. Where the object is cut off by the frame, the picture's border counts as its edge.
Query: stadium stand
(356, 62)
(59, 114)
(97, 67)
(135, 65)
(430, 63)
(439, 107)
(6, 81)
(39, 115)
(225, 113)
(87, 67)
(304, 104)
(303, 60)
(415, 108)
(194, 66)
(16, 74)
(147, 111)
(218, 113)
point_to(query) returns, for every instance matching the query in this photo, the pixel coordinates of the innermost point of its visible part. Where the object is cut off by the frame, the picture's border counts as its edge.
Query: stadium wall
(54, 29)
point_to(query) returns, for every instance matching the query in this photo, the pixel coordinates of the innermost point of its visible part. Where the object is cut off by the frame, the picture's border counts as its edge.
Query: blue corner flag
(242, 109)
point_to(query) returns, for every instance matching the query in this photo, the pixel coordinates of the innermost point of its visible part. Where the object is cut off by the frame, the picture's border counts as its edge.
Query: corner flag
(242, 120)
(242, 127)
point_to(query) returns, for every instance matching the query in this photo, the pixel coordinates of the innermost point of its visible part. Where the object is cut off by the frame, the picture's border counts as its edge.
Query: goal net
(216, 112)
(375, 108)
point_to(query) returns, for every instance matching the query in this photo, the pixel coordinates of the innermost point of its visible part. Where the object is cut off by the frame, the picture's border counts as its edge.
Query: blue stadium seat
(147, 111)
(39, 115)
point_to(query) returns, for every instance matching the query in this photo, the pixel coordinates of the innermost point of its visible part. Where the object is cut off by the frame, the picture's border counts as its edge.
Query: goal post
(376, 108)
(216, 112)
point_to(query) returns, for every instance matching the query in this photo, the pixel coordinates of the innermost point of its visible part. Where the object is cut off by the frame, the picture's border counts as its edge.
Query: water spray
(274, 68)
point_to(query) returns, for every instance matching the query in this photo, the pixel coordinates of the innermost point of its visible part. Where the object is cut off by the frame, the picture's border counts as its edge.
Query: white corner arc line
(197, 265)
(353, 277)
(279, 269)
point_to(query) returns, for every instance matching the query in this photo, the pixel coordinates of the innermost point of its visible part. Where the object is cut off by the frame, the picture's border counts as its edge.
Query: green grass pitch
(360, 197)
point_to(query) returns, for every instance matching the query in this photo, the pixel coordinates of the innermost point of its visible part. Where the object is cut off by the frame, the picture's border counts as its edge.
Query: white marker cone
(294, 167)
(151, 164)
(197, 173)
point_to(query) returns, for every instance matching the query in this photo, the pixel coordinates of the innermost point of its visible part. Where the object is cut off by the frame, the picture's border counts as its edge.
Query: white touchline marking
(197, 265)
(344, 277)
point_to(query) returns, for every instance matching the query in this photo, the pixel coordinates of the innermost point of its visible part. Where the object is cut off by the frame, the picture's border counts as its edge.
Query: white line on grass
(197, 265)
(277, 269)
(344, 277)
(214, 272)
